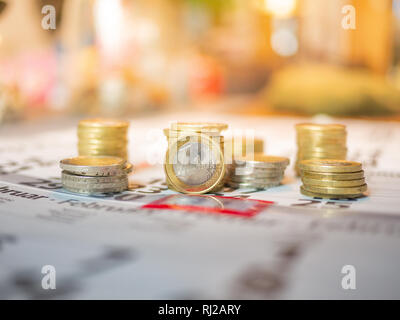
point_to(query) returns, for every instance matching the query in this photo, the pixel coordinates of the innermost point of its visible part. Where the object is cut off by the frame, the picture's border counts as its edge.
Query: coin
(195, 164)
(262, 161)
(321, 136)
(102, 136)
(320, 154)
(102, 151)
(341, 156)
(320, 127)
(336, 190)
(256, 181)
(322, 149)
(257, 177)
(333, 183)
(93, 153)
(99, 180)
(238, 173)
(327, 157)
(94, 191)
(96, 187)
(328, 196)
(181, 134)
(198, 126)
(326, 165)
(311, 143)
(333, 176)
(103, 142)
(108, 151)
(93, 166)
(103, 122)
(252, 185)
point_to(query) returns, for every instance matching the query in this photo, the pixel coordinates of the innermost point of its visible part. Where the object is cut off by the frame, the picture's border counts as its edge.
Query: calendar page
(150, 242)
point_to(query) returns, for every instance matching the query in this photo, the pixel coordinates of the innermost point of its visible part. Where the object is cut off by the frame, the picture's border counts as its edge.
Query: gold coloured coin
(93, 161)
(327, 165)
(324, 149)
(102, 123)
(333, 176)
(107, 151)
(311, 144)
(173, 134)
(198, 126)
(328, 196)
(99, 153)
(316, 135)
(103, 136)
(93, 166)
(336, 190)
(339, 156)
(103, 142)
(333, 183)
(320, 127)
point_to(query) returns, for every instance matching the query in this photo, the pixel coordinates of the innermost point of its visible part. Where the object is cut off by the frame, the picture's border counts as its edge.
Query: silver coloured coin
(72, 178)
(252, 185)
(194, 163)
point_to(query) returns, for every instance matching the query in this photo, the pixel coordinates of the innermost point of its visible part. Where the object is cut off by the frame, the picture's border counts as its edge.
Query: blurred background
(130, 57)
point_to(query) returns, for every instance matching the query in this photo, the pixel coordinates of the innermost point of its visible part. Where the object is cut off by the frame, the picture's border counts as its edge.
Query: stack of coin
(194, 161)
(257, 171)
(95, 175)
(328, 178)
(320, 141)
(105, 137)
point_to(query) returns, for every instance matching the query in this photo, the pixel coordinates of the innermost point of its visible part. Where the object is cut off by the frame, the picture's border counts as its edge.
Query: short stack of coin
(335, 179)
(95, 175)
(106, 137)
(257, 171)
(185, 138)
(320, 141)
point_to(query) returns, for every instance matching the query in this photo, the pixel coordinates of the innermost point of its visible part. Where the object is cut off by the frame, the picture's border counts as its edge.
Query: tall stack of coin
(103, 137)
(194, 161)
(257, 171)
(320, 141)
(95, 175)
(339, 179)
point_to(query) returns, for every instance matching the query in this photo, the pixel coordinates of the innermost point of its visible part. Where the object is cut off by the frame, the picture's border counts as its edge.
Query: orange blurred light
(280, 8)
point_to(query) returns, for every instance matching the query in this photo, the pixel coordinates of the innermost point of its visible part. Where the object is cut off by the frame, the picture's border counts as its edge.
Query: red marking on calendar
(210, 204)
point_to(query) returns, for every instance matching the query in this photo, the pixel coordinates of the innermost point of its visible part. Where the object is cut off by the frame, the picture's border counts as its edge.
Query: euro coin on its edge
(195, 178)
